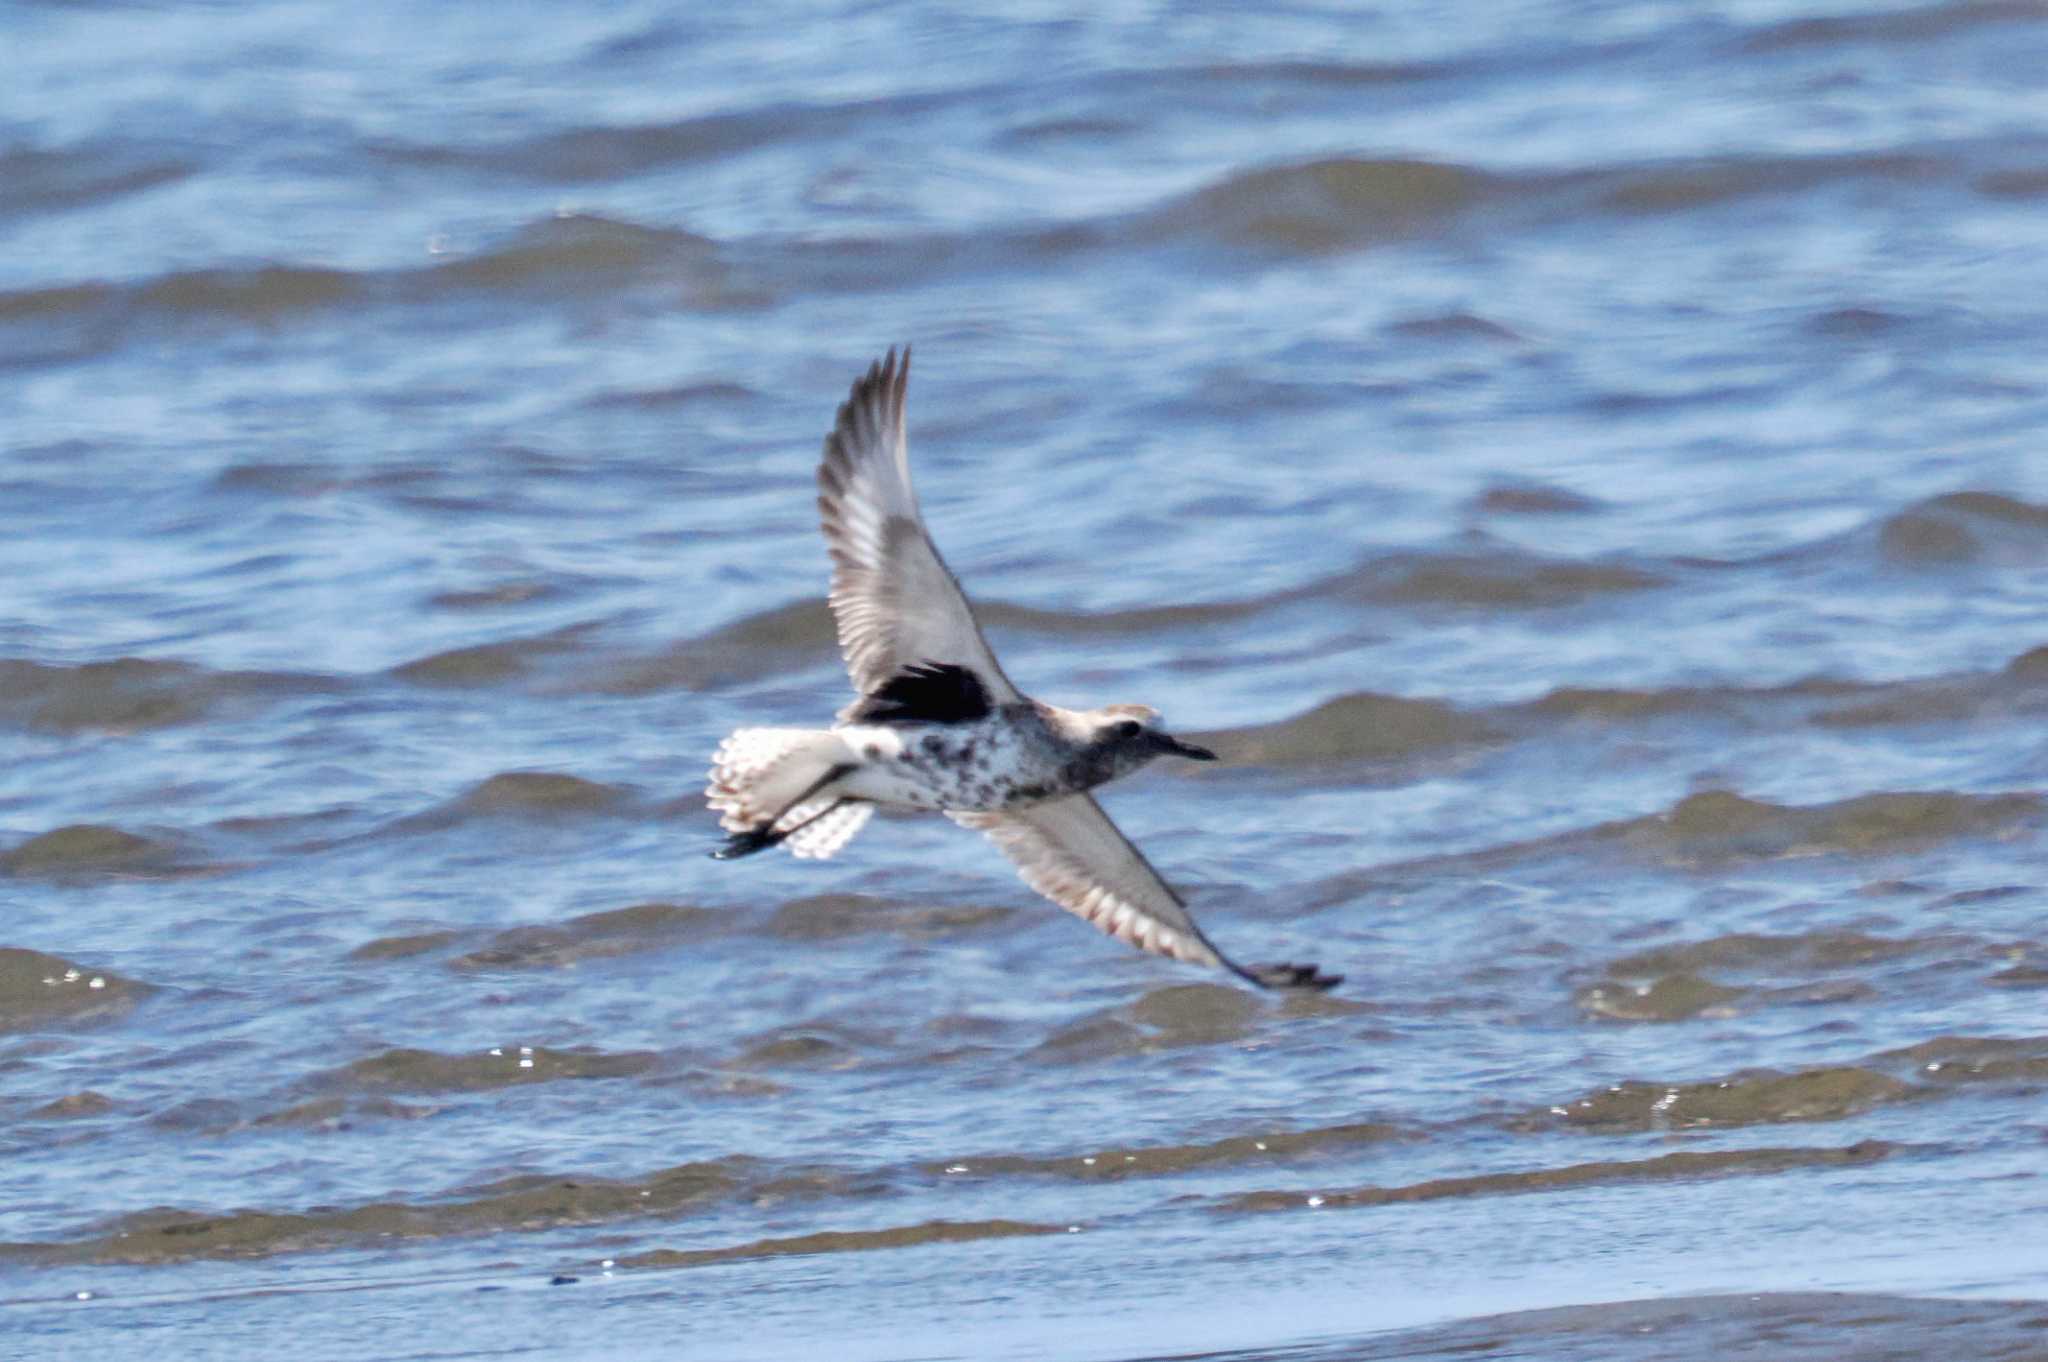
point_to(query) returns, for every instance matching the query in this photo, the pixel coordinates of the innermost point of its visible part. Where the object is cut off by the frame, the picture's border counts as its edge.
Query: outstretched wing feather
(895, 602)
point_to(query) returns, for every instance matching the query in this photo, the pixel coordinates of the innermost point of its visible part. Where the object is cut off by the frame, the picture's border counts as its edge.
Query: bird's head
(1128, 736)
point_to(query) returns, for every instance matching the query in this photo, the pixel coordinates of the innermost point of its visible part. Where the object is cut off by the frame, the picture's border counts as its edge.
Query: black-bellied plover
(938, 726)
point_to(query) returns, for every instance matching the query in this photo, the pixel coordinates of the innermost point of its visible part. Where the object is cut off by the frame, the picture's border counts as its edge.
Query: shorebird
(938, 726)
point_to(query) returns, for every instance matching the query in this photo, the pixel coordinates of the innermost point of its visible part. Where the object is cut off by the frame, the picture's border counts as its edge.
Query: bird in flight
(938, 726)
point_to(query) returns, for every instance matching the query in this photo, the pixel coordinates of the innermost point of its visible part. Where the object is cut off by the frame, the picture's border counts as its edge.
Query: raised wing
(896, 604)
(1069, 851)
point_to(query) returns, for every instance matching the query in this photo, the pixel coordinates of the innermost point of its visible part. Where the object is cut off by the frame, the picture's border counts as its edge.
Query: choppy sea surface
(1582, 465)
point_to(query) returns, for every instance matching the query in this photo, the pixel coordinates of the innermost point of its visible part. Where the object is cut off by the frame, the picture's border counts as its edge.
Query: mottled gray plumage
(936, 725)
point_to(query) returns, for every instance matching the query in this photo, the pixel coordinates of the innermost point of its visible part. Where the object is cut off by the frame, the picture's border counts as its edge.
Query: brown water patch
(1748, 950)
(1358, 727)
(1668, 1167)
(1918, 25)
(809, 1045)
(1782, 1327)
(823, 917)
(787, 638)
(492, 597)
(45, 990)
(262, 294)
(1705, 183)
(671, 395)
(1853, 323)
(576, 251)
(504, 1066)
(1742, 1100)
(1495, 581)
(486, 664)
(1963, 527)
(1596, 704)
(1720, 825)
(1164, 1018)
(131, 694)
(594, 936)
(1195, 1014)
(72, 1106)
(1674, 997)
(1580, 702)
(1090, 1038)
(845, 1241)
(542, 794)
(1661, 984)
(1114, 1163)
(1933, 702)
(2030, 668)
(402, 947)
(168, 1235)
(1532, 499)
(1456, 326)
(340, 1113)
(87, 849)
(1977, 1059)
(1323, 206)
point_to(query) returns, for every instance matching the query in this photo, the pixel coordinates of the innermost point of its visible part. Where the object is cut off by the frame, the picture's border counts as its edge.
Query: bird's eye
(1129, 728)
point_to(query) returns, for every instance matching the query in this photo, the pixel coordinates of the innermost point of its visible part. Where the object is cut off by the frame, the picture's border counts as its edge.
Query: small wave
(1720, 825)
(1719, 828)
(73, 1106)
(516, 1204)
(1495, 580)
(40, 181)
(1740, 1100)
(1359, 727)
(1657, 190)
(488, 664)
(38, 990)
(1914, 26)
(594, 936)
(87, 850)
(783, 639)
(1947, 1061)
(1113, 1163)
(2031, 183)
(1685, 1166)
(1317, 207)
(1452, 326)
(542, 793)
(678, 395)
(1532, 499)
(1671, 998)
(810, 1045)
(1966, 527)
(573, 251)
(505, 1066)
(845, 1241)
(1171, 1016)
(404, 947)
(612, 152)
(132, 694)
(537, 796)
(827, 916)
(253, 294)
(1777, 954)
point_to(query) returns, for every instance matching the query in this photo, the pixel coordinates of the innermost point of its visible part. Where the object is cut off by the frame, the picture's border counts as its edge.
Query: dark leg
(761, 838)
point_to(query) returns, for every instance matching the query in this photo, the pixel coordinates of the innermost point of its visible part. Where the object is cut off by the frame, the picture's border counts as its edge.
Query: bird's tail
(780, 781)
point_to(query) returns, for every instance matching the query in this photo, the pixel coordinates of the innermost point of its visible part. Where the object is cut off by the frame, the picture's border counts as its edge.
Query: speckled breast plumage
(1005, 760)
